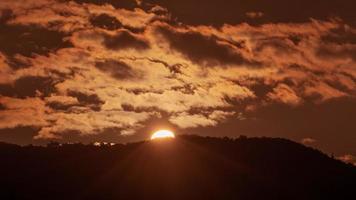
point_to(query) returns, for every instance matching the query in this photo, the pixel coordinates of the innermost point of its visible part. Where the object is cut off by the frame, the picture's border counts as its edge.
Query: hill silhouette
(188, 167)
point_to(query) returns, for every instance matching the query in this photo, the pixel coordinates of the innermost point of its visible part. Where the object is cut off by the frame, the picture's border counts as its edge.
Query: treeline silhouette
(188, 167)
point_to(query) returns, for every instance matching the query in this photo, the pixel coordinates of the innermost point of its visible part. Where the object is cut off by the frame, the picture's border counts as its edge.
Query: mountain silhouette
(188, 167)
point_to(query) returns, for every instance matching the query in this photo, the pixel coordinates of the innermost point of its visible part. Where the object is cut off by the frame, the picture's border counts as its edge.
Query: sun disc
(162, 134)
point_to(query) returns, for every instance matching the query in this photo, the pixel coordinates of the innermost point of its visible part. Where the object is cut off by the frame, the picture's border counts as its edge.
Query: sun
(162, 134)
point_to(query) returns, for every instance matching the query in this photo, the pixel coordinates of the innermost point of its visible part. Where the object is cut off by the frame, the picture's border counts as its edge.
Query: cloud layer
(86, 67)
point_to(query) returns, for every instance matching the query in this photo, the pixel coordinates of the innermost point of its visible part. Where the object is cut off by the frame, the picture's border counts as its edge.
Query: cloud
(14, 41)
(116, 69)
(308, 141)
(111, 66)
(90, 122)
(186, 120)
(135, 19)
(86, 100)
(105, 21)
(28, 86)
(204, 50)
(22, 112)
(61, 102)
(284, 94)
(348, 159)
(254, 14)
(323, 91)
(125, 40)
(127, 4)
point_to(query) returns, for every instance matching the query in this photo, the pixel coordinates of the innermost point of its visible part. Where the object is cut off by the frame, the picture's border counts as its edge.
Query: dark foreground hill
(188, 167)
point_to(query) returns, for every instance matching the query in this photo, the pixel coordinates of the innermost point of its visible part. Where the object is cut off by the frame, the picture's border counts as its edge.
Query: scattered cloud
(284, 94)
(114, 66)
(185, 120)
(204, 49)
(308, 141)
(124, 40)
(348, 159)
(22, 112)
(254, 15)
(116, 69)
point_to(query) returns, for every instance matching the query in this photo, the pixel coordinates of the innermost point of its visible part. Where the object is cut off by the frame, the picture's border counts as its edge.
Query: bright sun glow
(162, 134)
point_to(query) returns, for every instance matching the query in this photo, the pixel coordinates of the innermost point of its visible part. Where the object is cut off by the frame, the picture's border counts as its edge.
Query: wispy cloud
(106, 66)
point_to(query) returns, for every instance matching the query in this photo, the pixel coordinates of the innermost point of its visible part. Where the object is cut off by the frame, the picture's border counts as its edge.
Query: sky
(106, 70)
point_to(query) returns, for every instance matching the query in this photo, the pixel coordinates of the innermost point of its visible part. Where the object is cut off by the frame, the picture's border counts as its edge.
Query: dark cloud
(106, 22)
(28, 86)
(5, 15)
(280, 45)
(6, 90)
(261, 89)
(116, 69)
(127, 4)
(185, 89)
(59, 106)
(91, 101)
(174, 69)
(2, 107)
(341, 87)
(16, 63)
(341, 52)
(341, 35)
(62, 103)
(29, 40)
(339, 43)
(125, 40)
(203, 49)
(296, 39)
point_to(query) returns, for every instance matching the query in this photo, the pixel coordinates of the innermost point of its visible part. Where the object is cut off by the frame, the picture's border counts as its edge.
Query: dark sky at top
(216, 12)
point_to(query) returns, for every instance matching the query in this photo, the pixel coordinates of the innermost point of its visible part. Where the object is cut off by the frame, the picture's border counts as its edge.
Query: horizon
(183, 137)
(347, 159)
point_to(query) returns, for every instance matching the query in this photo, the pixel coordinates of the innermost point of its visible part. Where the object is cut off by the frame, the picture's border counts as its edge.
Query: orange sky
(83, 70)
